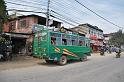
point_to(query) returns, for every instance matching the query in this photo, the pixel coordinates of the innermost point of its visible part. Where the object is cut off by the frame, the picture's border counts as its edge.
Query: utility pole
(47, 14)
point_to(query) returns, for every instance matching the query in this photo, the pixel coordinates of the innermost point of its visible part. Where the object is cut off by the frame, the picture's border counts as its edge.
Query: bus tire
(63, 60)
(84, 58)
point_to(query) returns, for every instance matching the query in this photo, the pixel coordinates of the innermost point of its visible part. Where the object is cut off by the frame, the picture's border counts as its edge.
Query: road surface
(96, 69)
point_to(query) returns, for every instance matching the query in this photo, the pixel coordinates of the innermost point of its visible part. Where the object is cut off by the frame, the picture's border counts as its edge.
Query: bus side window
(64, 42)
(87, 44)
(69, 42)
(74, 42)
(80, 43)
(53, 41)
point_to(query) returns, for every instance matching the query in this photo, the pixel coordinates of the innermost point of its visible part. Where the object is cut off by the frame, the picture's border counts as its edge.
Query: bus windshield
(43, 36)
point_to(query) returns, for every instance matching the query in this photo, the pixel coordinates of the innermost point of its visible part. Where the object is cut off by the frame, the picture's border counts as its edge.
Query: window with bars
(22, 24)
(12, 26)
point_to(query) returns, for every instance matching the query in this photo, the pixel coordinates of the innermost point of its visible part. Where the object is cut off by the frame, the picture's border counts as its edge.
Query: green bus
(60, 47)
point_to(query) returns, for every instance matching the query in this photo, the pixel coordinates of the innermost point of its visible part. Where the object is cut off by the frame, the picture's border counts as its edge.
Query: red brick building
(20, 31)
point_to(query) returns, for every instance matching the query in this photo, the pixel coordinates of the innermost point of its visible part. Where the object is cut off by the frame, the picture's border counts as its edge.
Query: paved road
(96, 69)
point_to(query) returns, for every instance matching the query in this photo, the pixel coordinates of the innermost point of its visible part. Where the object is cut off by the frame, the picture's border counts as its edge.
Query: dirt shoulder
(24, 61)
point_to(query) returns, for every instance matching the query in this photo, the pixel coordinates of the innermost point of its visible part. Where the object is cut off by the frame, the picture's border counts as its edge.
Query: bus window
(87, 43)
(55, 38)
(58, 41)
(43, 35)
(53, 41)
(74, 40)
(80, 43)
(64, 39)
(64, 42)
(69, 41)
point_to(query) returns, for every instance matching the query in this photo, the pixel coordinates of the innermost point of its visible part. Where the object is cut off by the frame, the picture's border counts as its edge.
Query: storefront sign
(93, 37)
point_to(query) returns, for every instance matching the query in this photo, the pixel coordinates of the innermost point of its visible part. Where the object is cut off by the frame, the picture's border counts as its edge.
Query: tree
(3, 14)
(117, 38)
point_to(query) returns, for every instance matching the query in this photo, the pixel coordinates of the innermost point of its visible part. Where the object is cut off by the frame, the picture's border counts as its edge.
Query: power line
(65, 17)
(62, 20)
(98, 15)
(25, 11)
(23, 5)
(38, 12)
(41, 12)
(64, 13)
(64, 7)
(36, 3)
(71, 7)
(39, 1)
(60, 15)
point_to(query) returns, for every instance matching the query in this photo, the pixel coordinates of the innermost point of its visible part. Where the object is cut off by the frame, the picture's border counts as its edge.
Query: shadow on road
(48, 64)
(55, 64)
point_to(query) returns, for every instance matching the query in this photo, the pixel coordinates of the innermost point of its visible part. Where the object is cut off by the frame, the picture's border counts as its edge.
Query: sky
(112, 10)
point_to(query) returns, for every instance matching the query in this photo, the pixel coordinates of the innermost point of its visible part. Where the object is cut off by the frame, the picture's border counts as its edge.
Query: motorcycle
(6, 54)
(102, 53)
(118, 53)
(5, 47)
(1, 56)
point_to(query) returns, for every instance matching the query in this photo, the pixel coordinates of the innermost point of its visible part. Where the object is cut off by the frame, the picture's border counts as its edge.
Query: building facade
(92, 32)
(20, 31)
(106, 39)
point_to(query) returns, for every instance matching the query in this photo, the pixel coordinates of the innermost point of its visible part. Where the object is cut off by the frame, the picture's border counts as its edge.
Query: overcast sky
(112, 10)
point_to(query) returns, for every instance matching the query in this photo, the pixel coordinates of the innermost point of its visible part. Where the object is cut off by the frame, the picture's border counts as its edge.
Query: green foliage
(3, 13)
(117, 38)
(1, 39)
(4, 40)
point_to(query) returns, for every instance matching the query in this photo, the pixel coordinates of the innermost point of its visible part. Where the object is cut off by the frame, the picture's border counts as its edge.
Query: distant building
(20, 30)
(92, 32)
(81, 30)
(106, 39)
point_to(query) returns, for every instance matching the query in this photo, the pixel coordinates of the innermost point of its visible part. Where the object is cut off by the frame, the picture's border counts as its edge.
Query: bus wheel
(63, 60)
(84, 58)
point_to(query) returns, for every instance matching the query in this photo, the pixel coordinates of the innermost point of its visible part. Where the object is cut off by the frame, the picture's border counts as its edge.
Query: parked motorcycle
(1, 56)
(5, 47)
(6, 53)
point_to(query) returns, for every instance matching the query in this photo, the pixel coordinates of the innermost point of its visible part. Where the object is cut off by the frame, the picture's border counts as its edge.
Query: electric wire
(98, 15)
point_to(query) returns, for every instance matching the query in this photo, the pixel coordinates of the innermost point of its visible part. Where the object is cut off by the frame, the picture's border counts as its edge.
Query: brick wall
(22, 25)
